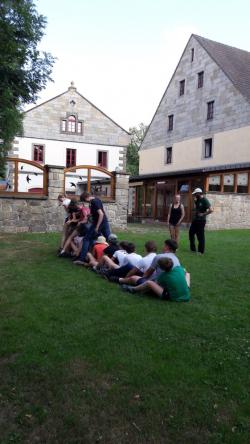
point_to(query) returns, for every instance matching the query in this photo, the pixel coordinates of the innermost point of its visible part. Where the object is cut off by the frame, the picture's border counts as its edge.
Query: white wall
(55, 154)
(229, 147)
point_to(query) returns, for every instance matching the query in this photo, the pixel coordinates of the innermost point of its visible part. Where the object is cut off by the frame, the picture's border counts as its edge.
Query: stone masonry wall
(33, 214)
(230, 211)
(190, 110)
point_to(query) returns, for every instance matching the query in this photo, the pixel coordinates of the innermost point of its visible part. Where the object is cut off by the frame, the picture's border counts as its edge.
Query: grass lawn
(83, 362)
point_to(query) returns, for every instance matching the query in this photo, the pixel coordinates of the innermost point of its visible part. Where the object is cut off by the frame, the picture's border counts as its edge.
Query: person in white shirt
(118, 258)
(63, 202)
(143, 265)
(131, 260)
(169, 250)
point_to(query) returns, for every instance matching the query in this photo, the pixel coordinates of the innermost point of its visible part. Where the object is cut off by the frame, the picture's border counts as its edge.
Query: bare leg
(92, 261)
(70, 238)
(64, 235)
(130, 280)
(106, 261)
(177, 233)
(172, 231)
(149, 286)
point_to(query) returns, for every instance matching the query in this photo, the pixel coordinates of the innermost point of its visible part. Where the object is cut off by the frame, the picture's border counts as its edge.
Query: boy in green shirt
(171, 283)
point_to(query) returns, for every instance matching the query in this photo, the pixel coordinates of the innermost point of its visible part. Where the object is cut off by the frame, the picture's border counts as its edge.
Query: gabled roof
(72, 87)
(234, 62)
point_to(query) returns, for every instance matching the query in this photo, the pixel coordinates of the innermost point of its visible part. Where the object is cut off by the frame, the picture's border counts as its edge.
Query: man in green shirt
(201, 210)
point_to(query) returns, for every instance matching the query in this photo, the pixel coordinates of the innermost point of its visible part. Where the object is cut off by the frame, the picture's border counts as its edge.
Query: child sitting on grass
(171, 284)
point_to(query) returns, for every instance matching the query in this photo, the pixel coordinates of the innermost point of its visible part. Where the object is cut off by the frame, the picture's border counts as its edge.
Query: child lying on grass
(171, 284)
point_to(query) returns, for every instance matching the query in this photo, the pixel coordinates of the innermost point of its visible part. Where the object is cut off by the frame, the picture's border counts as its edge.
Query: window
(208, 148)
(182, 87)
(210, 110)
(79, 127)
(192, 54)
(170, 122)
(72, 125)
(228, 183)
(242, 183)
(214, 183)
(64, 125)
(169, 155)
(38, 153)
(200, 79)
(102, 159)
(70, 157)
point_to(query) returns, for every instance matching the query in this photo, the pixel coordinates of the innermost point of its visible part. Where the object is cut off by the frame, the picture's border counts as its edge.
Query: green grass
(83, 362)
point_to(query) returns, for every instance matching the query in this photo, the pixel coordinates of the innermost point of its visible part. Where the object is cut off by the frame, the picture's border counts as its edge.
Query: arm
(209, 210)
(149, 272)
(169, 213)
(182, 215)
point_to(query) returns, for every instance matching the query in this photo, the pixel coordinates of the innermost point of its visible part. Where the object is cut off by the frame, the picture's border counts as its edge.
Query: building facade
(69, 131)
(200, 133)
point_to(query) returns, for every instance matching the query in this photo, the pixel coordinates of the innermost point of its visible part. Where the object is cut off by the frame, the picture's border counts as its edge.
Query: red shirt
(98, 250)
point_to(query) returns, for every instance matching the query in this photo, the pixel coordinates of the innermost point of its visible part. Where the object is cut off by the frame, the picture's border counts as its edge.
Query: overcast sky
(121, 53)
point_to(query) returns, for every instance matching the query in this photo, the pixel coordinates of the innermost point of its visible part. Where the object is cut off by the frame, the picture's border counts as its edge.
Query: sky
(121, 54)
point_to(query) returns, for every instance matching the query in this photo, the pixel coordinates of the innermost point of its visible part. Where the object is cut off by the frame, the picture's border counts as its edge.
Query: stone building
(68, 130)
(199, 136)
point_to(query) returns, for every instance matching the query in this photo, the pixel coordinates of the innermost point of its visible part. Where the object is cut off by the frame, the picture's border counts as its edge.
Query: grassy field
(83, 362)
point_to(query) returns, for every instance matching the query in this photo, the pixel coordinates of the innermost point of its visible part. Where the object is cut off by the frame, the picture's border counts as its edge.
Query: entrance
(164, 196)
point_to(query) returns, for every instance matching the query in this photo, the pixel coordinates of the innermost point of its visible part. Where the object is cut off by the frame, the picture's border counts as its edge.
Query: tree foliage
(133, 148)
(24, 70)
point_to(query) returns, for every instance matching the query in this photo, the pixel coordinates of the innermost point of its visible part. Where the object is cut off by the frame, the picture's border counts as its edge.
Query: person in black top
(176, 215)
(99, 225)
(197, 228)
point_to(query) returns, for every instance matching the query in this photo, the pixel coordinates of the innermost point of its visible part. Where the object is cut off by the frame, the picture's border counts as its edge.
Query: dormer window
(72, 125)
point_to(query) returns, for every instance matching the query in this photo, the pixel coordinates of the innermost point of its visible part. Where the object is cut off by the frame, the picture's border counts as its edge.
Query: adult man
(201, 210)
(99, 225)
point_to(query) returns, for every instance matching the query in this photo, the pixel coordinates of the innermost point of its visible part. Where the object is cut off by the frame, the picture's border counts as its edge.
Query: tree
(24, 70)
(133, 148)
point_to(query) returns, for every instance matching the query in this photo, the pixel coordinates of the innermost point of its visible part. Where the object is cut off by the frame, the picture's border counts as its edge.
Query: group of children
(160, 274)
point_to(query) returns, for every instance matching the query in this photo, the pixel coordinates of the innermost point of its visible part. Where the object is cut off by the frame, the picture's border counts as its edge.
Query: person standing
(197, 228)
(99, 225)
(176, 214)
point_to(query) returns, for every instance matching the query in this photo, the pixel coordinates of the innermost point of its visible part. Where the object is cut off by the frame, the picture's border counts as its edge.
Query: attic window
(72, 125)
(192, 54)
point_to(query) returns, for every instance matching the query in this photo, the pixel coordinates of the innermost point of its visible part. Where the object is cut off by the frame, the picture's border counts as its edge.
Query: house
(68, 130)
(199, 135)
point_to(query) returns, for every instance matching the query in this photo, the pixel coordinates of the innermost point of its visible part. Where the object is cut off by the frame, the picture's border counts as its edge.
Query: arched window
(71, 124)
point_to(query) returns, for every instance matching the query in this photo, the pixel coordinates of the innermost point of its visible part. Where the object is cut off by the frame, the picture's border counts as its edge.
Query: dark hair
(123, 245)
(84, 196)
(72, 207)
(171, 244)
(130, 248)
(150, 246)
(165, 263)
